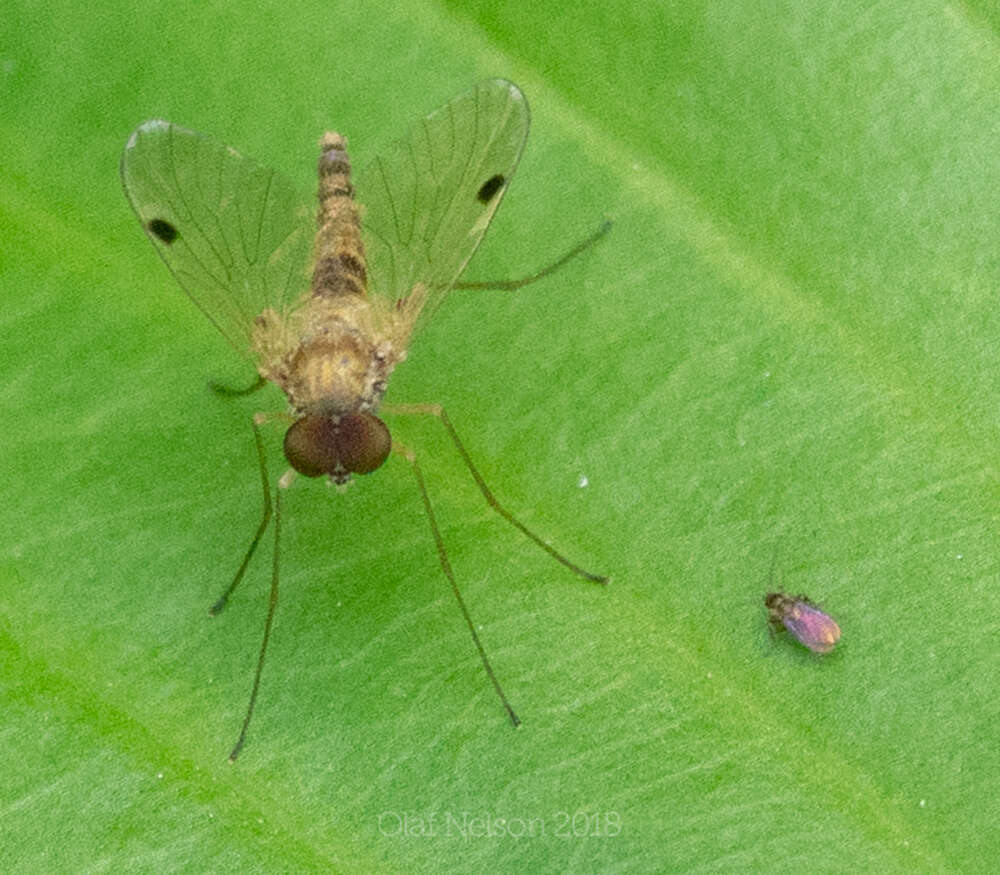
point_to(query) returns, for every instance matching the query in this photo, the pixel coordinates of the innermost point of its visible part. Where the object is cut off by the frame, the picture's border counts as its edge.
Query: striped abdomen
(339, 254)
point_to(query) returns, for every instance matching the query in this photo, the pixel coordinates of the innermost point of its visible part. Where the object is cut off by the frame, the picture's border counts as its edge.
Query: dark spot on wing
(489, 189)
(163, 230)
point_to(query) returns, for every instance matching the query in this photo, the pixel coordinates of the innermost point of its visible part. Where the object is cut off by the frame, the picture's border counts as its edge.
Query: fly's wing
(236, 235)
(428, 200)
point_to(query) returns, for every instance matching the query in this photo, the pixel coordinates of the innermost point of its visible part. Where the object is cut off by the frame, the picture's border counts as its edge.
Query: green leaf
(785, 350)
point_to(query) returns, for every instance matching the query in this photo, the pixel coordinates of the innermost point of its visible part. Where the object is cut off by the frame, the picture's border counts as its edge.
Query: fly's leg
(446, 568)
(438, 411)
(224, 391)
(259, 420)
(272, 603)
(510, 285)
(220, 603)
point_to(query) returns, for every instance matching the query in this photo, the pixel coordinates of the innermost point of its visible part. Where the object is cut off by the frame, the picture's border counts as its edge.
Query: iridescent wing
(428, 200)
(236, 235)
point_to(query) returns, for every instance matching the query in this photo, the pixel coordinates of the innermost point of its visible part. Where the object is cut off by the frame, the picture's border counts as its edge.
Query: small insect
(811, 627)
(325, 302)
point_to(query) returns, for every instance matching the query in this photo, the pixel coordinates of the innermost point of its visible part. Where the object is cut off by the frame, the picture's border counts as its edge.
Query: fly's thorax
(338, 373)
(328, 355)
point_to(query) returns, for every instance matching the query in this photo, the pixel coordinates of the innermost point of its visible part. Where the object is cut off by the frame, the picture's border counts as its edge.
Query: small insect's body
(810, 626)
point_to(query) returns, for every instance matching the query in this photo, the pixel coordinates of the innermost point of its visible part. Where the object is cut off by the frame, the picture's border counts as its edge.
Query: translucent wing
(428, 200)
(236, 235)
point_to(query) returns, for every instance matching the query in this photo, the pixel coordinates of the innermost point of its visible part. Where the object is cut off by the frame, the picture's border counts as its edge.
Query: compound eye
(311, 446)
(363, 442)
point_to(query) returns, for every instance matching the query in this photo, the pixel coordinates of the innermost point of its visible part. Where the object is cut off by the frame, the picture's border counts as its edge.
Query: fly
(325, 301)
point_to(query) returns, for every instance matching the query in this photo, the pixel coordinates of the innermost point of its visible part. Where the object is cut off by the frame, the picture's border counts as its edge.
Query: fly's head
(337, 446)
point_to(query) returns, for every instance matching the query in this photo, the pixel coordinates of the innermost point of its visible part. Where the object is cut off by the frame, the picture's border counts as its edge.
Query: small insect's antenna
(272, 603)
(774, 562)
(446, 567)
(511, 285)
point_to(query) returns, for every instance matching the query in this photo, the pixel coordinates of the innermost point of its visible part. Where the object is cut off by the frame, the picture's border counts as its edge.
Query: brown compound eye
(311, 446)
(363, 442)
